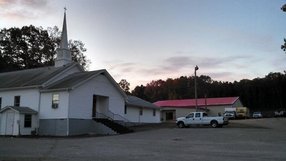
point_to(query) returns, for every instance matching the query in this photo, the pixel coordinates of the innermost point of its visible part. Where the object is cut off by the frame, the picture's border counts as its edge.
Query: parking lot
(242, 140)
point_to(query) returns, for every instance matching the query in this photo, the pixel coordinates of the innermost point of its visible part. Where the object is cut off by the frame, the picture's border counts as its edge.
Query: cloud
(23, 9)
(218, 68)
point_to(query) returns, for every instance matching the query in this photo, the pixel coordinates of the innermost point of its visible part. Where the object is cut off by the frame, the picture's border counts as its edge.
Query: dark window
(55, 100)
(154, 112)
(0, 102)
(141, 111)
(198, 115)
(28, 121)
(17, 101)
(125, 109)
(205, 115)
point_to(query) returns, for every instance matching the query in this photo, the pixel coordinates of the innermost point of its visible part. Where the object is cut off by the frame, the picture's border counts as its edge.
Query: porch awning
(21, 110)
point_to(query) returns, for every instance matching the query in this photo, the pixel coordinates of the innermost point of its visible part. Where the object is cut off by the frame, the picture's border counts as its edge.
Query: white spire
(63, 52)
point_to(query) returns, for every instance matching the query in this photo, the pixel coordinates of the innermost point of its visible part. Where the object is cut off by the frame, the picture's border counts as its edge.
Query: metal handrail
(112, 116)
(101, 115)
(117, 117)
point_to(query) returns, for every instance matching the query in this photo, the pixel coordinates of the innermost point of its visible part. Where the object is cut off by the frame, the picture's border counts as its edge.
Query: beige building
(172, 109)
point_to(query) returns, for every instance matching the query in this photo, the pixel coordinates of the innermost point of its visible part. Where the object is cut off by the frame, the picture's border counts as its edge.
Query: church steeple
(63, 52)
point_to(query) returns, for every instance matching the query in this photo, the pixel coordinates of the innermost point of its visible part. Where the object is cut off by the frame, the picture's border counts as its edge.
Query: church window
(141, 111)
(28, 120)
(0, 102)
(17, 101)
(55, 100)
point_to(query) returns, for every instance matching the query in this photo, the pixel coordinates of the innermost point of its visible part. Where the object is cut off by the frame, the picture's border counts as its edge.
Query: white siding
(133, 115)
(81, 98)
(28, 98)
(47, 112)
(25, 130)
(11, 126)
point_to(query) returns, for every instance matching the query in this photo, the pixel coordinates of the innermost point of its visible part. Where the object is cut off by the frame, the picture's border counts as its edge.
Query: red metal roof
(185, 103)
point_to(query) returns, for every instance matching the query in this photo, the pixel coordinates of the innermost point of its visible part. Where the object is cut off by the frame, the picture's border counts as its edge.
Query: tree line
(31, 47)
(263, 94)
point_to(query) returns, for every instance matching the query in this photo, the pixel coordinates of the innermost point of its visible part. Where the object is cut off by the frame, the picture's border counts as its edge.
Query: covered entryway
(168, 115)
(18, 121)
(100, 106)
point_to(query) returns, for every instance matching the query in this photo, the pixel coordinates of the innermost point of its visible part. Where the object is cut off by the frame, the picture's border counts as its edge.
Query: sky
(145, 40)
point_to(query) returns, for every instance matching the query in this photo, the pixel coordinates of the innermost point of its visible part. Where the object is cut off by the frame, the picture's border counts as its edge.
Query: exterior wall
(181, 112)
(25, 130)
(53, 121)
(47, 112)
(88, 126)
(133, 115)
(81, 98)
(28, 98)
(53, 127)
(64, 127)
(148, 117)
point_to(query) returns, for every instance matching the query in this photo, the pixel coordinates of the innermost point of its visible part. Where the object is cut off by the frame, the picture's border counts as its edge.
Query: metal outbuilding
(172, 109)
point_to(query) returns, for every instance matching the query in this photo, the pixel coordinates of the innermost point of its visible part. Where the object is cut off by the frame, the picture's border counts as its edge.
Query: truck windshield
(191, 115)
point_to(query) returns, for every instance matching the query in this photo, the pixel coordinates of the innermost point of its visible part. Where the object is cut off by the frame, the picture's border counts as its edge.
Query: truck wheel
(214, 124)
(181, 125)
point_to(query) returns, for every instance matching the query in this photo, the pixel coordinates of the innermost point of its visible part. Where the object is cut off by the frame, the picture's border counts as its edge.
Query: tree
(283, 47)
(32, 47)
(124, 85)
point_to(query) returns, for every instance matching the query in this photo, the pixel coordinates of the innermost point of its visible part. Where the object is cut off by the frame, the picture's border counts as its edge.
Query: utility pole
(196, 95)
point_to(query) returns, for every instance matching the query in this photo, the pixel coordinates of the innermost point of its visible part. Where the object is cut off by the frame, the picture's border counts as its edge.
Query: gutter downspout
(39, 112)
(68, 121)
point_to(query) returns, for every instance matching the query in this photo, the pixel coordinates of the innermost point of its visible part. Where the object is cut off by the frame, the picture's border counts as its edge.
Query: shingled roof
(22, 110)
(73, 80)
(138, 102)
(30, 77)
(76, 79)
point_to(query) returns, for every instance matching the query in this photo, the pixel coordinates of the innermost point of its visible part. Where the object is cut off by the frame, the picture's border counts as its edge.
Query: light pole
(196, 96)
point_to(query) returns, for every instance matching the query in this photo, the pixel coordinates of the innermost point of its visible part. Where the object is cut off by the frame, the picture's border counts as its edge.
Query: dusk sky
(145, 40)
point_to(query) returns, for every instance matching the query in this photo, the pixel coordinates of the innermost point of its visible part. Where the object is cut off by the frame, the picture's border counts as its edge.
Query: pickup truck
(201, 118)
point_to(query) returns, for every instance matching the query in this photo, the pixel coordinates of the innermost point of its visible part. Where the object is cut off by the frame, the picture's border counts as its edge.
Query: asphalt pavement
(241, 140)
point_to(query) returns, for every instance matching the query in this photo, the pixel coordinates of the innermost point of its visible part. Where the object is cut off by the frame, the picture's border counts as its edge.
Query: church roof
(76, 79)
(138, 102)
(73, 80)
(30, 77)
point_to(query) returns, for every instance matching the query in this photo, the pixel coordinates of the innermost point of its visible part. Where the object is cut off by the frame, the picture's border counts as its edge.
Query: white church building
(64, 100)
